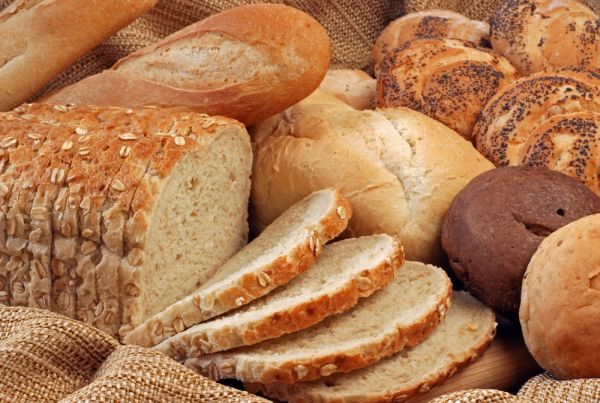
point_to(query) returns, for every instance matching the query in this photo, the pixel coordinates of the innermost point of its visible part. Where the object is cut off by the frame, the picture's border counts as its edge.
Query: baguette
(227, 64)
(33, 30)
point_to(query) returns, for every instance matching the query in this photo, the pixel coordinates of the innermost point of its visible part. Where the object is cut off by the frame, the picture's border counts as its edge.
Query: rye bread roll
(497, 222)
(248, 63)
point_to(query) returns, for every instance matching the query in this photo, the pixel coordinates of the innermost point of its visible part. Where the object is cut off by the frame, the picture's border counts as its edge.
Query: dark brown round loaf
(496, 223)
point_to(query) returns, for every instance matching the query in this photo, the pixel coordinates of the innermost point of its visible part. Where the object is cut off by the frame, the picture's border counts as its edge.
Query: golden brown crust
(444, 79)
(207, 303)
(429, 24)
(296, 46)
(31, 32)
(251, 369)
(560, 308)
(544, 35)
(288, 319)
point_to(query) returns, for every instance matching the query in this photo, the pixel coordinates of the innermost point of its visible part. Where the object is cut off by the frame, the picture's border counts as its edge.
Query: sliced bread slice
(345, 271)
(281, 252)
(400, 315)
(463, 335)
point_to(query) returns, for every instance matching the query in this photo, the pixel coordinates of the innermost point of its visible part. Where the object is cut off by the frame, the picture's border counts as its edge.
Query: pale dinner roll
(544, 35)
(354, 87)
(547, 119)
(560, 301)
(446, 79)
(430, 24)
(399, 169)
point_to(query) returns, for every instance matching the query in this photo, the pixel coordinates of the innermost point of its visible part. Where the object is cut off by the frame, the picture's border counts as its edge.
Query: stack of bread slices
(353, 322)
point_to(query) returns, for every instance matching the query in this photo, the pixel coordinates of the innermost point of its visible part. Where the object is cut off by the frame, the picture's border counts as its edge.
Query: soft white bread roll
(446, 79)
(547, 119)
(560, 301)
(399, 169)
(538, 35)
(132, 209)
(354, 87)
(42, 38)
(248, 63)
(429, 24)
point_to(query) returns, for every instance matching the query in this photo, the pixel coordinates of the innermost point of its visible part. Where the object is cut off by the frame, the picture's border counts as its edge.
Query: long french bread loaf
(285, 249)
(138, 180)
(227, 64)
(346, 271)
(41, 38)
(399, 168)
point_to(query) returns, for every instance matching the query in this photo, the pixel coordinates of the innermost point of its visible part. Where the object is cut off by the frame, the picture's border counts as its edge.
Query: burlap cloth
(47, 357)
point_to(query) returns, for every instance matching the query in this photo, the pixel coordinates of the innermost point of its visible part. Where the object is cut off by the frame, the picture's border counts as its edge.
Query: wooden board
(505, 365)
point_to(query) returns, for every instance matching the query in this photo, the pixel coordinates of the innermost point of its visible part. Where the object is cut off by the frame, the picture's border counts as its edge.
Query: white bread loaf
(346, 271)
(399, 168)
(546, 35)
(400, 315)
(354, 87)
(285, 249)
(66, 30)
(446, 79)
(429, 24)
(463, 335)
(560, 301)
(227, 64)
(135, 182)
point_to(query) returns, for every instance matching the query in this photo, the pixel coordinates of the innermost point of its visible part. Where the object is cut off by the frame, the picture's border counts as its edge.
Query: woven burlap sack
(47, 357)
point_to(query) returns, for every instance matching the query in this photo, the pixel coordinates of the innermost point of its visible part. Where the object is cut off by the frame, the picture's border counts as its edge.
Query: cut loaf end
(284, 250)
(462, 336)
(198, 220)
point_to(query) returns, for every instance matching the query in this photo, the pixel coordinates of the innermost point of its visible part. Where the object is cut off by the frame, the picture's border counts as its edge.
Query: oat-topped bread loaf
(446, 79)
(399, 168)
(547, 119)
(400, 315)
(463, 335)
(285, 249)
(346, 271)
(545, 35)
(110, 215)
(429, 24)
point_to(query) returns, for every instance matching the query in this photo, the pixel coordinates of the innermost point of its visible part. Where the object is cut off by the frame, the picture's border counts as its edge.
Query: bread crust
(196, 342)
(30, 32)
(293, 42)
(445, 79)
(273, 369)
(429, 24)
(354, 87)
(545, 35)
(207, 303)
(560, 307)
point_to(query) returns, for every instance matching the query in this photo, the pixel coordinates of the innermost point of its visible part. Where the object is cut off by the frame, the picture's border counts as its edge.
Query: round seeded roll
(497, 222)
(538, 35)
(430, 24)
(560, 309)
(445, 79)
(547, 119)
